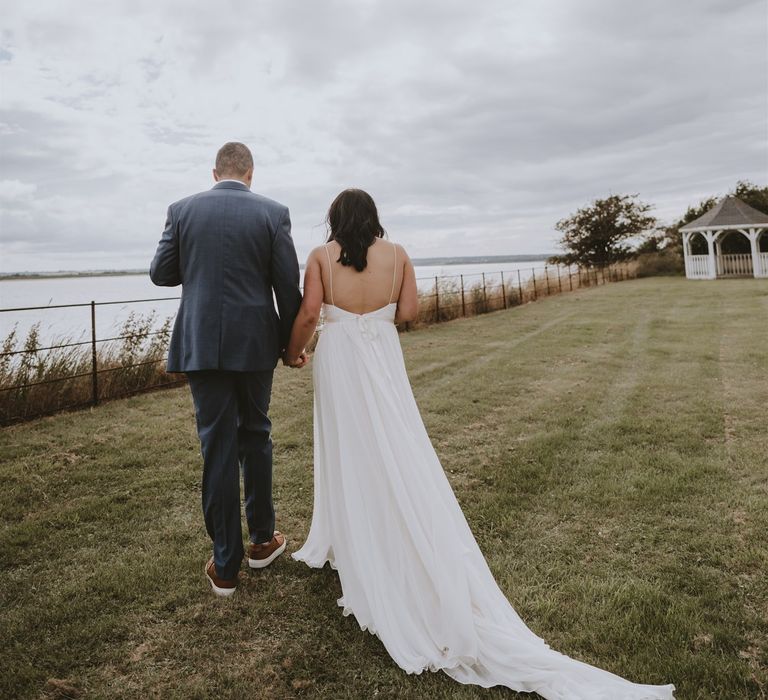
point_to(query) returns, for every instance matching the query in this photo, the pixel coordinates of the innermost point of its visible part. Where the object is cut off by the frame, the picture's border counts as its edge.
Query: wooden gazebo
(729, 216)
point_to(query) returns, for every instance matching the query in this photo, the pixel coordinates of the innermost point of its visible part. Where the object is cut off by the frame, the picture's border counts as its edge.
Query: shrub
(663, 262)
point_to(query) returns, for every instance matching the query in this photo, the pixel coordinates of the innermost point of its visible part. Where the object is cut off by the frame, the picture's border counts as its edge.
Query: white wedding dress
(386, 519)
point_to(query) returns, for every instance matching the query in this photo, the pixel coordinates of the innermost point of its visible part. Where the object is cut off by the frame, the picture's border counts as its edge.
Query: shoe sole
(261, 563)
(221, 592)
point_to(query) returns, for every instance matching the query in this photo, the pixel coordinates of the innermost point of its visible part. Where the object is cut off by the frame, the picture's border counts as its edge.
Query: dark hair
(234, 158)
(354, 224)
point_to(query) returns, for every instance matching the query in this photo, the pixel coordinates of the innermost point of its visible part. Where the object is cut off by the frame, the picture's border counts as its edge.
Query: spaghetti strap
(330, 272)
(394, 274)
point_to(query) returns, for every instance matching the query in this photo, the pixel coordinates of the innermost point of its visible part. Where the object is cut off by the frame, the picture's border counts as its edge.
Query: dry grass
(36, 381)
(453, 297)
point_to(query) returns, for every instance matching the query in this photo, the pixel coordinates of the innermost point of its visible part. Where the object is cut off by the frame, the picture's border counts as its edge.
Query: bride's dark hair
(353, 223)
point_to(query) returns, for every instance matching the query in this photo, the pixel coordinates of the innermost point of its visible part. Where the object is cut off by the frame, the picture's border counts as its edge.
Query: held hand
(296, 362)
(301, 360)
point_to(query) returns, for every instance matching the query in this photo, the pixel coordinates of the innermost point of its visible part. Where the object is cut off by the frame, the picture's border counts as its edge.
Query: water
(75, 323)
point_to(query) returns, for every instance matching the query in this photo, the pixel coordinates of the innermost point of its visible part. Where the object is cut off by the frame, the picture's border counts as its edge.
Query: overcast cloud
(475, 126)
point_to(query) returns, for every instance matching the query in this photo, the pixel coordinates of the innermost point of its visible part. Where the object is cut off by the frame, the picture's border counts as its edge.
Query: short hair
(234, 158)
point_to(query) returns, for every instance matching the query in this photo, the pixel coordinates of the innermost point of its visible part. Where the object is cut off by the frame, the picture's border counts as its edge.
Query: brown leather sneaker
(221, 586)
(261, 555)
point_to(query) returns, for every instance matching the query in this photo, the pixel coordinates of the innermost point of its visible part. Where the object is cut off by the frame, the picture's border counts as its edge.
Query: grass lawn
(609, 448)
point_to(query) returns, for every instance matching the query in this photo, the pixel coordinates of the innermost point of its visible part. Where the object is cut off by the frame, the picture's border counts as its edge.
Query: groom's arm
(164, 270)
(285, 277)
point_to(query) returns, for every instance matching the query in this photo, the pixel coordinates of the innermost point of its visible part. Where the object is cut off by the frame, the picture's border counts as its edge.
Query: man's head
(234, 162)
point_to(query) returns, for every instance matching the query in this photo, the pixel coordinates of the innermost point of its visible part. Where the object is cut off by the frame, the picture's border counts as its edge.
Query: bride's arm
(306, 320)
(408, 301)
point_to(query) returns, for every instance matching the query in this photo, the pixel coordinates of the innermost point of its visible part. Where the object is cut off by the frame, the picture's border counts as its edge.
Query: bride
(385, 516)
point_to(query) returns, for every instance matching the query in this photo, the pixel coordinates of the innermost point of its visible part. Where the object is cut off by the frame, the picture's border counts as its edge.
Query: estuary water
(122, 291)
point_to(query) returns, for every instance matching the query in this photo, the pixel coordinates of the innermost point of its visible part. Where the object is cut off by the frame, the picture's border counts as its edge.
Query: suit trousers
(235, 437)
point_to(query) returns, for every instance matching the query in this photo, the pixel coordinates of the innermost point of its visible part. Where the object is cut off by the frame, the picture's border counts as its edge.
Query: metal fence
(40, 394)
(30, 387)
(492, 291)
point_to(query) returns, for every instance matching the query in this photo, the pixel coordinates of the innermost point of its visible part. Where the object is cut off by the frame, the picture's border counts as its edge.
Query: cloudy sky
(475, 126)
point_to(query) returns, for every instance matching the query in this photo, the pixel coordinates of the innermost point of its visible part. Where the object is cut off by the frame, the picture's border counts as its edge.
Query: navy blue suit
(231, 250)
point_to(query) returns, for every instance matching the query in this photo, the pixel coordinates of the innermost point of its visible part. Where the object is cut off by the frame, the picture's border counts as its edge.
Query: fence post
(559, 283)
(519, 287)
(463, 304)
(437, 300)
(535, 293)
(570, 277)
(503, 290)
(94, 367)
(546, 277)
(485, 298)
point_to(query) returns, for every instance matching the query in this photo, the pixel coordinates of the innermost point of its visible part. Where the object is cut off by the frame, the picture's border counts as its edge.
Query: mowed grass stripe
(609, 450)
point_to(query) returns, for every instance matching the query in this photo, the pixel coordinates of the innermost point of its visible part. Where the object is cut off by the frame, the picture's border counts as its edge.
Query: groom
(231, 249)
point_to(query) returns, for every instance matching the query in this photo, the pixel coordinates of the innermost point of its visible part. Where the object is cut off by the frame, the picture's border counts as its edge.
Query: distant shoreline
(418, 262)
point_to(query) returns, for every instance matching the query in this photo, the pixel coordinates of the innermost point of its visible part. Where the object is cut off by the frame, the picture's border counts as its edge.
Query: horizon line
(425, 261)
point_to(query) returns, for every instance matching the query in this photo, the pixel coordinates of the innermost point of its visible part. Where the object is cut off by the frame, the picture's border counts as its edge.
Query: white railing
(697, 267)
(763, 262)
(739, 265)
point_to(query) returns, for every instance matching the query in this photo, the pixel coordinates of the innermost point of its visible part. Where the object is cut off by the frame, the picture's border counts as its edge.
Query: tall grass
(452, 297)
(36, 380)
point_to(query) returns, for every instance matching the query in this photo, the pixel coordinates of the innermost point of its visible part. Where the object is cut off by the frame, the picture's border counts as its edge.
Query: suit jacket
(230, 249)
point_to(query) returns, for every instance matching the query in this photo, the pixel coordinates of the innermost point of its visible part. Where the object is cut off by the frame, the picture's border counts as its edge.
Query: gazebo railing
(763, 261)
(697, 266)
(734, 265)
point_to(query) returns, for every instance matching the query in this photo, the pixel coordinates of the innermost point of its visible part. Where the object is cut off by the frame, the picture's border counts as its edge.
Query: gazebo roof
(729, 212)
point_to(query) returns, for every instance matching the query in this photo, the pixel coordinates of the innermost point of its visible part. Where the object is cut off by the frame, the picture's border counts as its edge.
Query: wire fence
(38, 380)
(455, 296)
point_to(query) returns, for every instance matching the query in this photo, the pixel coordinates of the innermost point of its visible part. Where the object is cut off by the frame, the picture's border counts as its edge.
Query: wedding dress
(386, 519)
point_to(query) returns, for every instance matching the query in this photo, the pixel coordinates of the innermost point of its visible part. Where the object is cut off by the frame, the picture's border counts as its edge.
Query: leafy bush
(663, 262)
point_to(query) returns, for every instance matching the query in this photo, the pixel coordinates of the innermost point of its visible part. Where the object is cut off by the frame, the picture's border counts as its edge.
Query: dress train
(387, 520)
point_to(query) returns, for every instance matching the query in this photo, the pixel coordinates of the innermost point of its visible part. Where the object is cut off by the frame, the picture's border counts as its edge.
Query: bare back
(362, 292)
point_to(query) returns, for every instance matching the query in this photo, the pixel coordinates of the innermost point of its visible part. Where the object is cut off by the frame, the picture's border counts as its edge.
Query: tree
(599, 235)
(753, 195)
